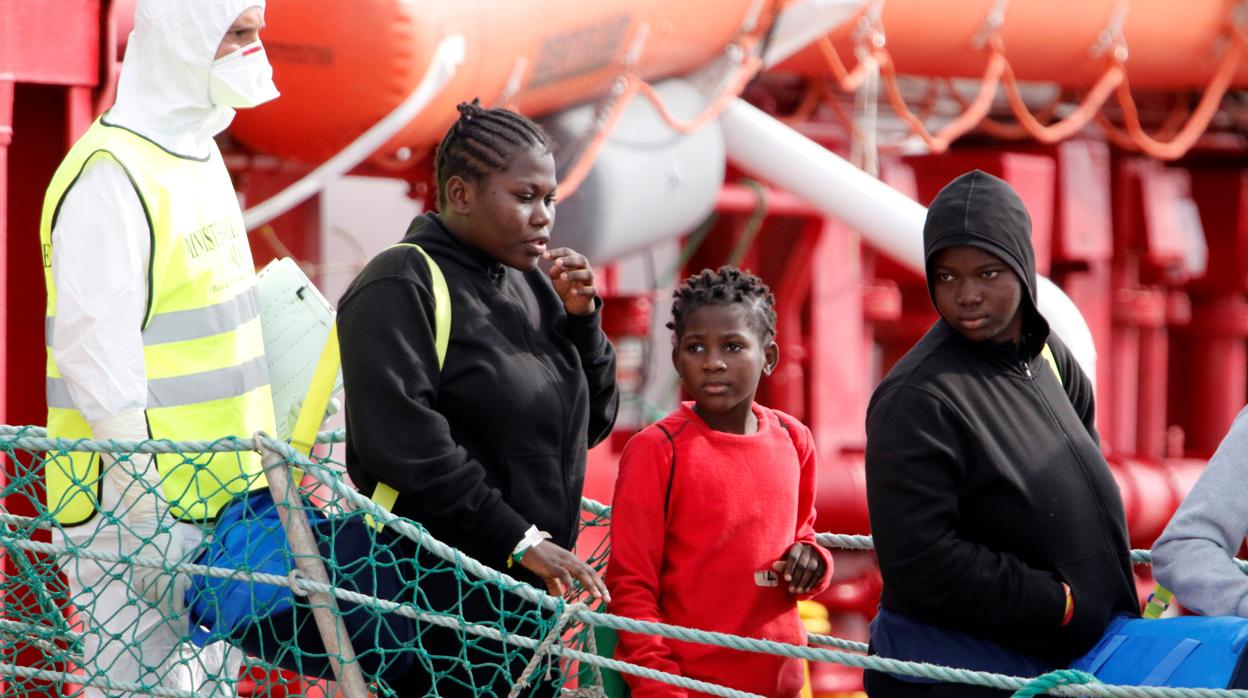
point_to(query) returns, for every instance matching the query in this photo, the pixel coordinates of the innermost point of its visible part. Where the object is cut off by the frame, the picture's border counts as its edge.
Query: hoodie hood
(983, 211)
(163, 90)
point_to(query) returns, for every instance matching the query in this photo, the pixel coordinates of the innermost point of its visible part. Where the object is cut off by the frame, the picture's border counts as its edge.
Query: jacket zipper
(1083, 466)
(567, 418)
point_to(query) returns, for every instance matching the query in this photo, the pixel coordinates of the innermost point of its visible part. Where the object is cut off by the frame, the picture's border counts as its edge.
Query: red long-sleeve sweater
(737, 503)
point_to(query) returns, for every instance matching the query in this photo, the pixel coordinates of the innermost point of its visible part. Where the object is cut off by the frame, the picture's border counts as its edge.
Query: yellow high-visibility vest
(202, 345)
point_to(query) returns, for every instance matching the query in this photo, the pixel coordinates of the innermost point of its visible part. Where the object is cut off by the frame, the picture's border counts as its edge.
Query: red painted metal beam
(1210, 368)
(45, 47)
(54, 42)
(6, 138)
(738, 198)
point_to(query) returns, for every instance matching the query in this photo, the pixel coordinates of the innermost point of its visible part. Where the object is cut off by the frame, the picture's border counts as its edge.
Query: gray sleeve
(1194, 556)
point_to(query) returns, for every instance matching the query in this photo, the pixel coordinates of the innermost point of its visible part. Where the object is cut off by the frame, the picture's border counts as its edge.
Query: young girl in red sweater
(712, 524)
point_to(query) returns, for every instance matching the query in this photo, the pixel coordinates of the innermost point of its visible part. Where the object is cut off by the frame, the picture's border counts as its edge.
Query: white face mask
(242, 79)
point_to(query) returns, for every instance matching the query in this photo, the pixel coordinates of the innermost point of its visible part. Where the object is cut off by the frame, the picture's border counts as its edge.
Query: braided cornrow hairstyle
(721, 287)
(482, 141)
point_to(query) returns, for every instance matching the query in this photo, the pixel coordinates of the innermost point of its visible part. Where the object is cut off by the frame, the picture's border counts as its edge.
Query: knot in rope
(543, 649)
(1053, 679)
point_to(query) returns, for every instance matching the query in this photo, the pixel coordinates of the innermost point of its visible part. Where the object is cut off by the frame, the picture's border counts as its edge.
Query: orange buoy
(1169, 45)
(342, 65)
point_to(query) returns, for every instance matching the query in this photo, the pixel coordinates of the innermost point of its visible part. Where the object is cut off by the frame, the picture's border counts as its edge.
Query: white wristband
(531, 538)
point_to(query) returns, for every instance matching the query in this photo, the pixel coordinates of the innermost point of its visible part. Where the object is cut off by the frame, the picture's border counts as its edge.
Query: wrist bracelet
(531, 538)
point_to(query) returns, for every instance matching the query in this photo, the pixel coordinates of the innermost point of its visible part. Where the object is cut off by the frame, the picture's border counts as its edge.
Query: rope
(623, 90)
(8, 432)
(1171, 142)
(745, 72)
(960, 125)
(1014, 132)
(1112, 78)
(591, 645)
(849, 81)
(547, 646)
(26, 672)
(1044, 683)
(42, 636)
(653, 674)
(46, 605)
(579, 612)
(542, 651)
(873, 52)
(628, 85)
(227, 444)
(845, 542)
(595, 507)
(1199, 119)
(839, 643)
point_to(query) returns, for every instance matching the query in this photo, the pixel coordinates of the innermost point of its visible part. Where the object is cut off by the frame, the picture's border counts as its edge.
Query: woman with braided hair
(488, 450)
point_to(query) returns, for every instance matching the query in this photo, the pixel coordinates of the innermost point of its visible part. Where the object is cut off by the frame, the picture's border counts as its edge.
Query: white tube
(891, 221)
(447, 58)
(1067, 322)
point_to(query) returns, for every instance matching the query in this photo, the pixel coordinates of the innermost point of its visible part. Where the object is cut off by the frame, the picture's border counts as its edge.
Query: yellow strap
(441, 304)
(1047, 354)
(303, 438)
(384, 495)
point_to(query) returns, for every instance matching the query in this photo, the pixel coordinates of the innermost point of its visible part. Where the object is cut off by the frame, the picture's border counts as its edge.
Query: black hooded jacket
(985, 480)
(496, 440)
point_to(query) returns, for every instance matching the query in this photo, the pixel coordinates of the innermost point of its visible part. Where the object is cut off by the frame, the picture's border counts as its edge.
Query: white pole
(446, 60)
(308, 560)
(891, 221)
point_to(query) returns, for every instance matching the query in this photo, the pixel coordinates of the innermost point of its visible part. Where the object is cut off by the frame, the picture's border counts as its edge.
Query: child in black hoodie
(999, 530)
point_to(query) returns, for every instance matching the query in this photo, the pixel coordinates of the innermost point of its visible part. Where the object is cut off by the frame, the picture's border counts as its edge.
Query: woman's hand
(573, 279)
(802, 568)
(558, 567)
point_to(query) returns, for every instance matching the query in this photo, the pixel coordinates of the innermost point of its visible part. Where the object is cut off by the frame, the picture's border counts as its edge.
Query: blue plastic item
(270, 622)
(1185, 652)
(248, 536)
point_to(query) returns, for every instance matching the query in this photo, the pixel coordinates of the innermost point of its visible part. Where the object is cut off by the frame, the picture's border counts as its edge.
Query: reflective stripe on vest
(202, 345)
(179, 326)
(179, 391)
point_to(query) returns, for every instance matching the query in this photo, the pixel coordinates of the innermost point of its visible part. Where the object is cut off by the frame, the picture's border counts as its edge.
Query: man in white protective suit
(153, 332)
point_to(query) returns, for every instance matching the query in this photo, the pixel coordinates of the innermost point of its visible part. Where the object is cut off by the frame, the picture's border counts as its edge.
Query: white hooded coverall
(100, 258)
